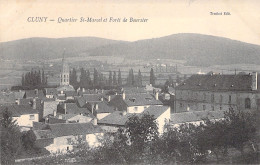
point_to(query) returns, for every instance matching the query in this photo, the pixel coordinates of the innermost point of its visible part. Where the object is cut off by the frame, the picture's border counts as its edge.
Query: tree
(95, 79)
(28, 140)
(131, 78)
(89, 81)
(83, 78)
(110, 80)
(152, 77)
(139, 79)
(10, 138)
(74, 78)
(114, 79)
(119, 78)
(241, 128)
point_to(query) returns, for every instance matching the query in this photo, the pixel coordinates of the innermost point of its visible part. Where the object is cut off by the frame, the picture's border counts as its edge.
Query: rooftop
(238, 82)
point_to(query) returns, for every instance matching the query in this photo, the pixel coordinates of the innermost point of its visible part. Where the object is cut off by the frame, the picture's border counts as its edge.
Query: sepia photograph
(129, 82)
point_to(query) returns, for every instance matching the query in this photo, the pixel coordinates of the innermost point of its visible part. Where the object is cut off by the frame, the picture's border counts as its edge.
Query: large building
(218, 92)
(65, 78)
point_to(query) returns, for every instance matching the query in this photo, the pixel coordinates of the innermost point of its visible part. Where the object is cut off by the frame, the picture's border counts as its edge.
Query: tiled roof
(19, 94)
(80, 101)
(43, 134)
(184, 117)
(92, 97)
(72, 108)
(18, 110)
(99, 91)
(34, 94)
(218, 82)
(51, 91)
(70, 93)
(156, 111)
(103, 107)
(65, 88)
(7, 97)
(75, 129)
(117, 117)
(134, 90)
(134, 100)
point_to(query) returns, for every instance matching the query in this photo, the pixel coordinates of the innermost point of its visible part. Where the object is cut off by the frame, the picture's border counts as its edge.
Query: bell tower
(65, 72)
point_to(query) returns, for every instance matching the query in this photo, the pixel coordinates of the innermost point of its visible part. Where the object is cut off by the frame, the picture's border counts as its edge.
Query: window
(229, 99)
(220, 99)
(247, 103)
(204, 107)
(136, 108)
(32, 117)
(68, 148)
(212, 98)
(181, 105)
(212, 107)
(220, 107)
(204, 96)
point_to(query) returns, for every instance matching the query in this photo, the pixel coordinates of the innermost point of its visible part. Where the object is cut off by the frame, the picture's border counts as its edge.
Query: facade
(23, 115)
(135, 103)
(62, 137)
(218, 92)
(117, 119)
(65, 73)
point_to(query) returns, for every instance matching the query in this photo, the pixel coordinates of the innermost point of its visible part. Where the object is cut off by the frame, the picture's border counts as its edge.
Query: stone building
(218, 92)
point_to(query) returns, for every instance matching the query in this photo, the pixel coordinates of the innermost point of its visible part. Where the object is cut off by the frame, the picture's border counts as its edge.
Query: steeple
(65, 72)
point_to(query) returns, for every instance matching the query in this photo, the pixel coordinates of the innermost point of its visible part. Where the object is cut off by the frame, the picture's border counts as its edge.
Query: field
(11, 71)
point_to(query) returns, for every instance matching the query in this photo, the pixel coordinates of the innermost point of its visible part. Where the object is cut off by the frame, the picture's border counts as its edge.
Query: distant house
(51, 92)
(24, 115)
(100, 109)
(61, 138)
(134, 103)
(195, 117)
(218, 92)
(49, 106)
(11, 97)
(31, 94)
(117, 119)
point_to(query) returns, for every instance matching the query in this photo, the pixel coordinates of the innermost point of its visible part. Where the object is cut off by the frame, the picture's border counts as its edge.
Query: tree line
(114, 79)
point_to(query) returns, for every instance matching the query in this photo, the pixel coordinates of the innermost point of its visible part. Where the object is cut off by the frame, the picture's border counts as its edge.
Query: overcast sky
(170, 17)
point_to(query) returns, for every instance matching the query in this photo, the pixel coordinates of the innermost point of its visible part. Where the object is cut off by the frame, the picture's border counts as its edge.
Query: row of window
(212, 97)
(247, 105)
(65, 80)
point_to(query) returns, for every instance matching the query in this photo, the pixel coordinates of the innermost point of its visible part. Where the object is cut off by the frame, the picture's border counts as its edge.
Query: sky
(164, 18)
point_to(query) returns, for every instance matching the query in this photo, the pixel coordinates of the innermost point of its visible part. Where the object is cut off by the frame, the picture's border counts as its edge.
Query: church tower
(65, 72)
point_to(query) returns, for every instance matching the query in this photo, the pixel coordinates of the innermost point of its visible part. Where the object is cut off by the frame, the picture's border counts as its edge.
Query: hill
(48, 48)
(196, 49)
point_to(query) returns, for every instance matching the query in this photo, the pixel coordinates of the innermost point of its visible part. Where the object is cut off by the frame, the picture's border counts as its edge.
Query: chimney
(96, 106)
(92, 108)
(101, 99)
(61, 92)
(54, 113)
(109, 98)
(123, 95)
(94, 121)
(156, 96)
(102, 91)
(36, 91)
(60, 117)
(254, 81)
(123, 113)
(18, 101)
(65, 108)
(83, 89)
(34, 103)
